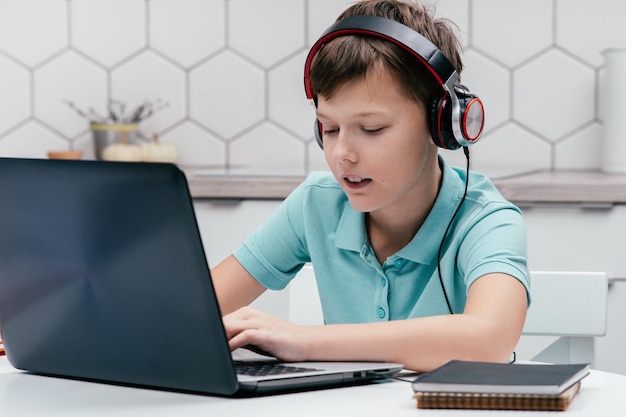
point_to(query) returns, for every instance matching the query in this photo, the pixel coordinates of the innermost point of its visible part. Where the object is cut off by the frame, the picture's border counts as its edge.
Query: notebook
(502, 386)
(103, 277)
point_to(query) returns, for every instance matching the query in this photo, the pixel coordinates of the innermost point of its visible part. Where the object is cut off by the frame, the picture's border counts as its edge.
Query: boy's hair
(348, 58)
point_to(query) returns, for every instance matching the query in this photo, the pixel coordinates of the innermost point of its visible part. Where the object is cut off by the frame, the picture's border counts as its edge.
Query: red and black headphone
(456, 117)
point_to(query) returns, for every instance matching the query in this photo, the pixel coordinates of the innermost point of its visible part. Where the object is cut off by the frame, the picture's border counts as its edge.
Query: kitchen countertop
(570, 187)
(586, 188)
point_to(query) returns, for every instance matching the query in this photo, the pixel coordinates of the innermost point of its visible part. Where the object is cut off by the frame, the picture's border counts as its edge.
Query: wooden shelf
(544, 187)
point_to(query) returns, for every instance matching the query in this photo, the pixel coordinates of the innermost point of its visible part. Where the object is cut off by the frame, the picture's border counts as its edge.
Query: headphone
(456, 117)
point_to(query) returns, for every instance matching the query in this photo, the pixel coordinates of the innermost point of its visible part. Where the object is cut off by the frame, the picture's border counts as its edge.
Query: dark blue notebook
(494, 378)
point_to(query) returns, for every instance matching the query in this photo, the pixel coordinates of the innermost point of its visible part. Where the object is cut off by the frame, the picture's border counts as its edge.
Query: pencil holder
(106, 134)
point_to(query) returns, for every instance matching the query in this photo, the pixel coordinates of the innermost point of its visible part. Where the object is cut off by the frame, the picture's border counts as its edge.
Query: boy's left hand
(255, 330)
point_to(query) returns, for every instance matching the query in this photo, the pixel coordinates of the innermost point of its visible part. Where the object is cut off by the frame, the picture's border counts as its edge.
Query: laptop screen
(103, 275)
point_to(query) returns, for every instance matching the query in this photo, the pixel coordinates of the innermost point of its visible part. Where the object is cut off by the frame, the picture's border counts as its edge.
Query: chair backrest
(567, 312)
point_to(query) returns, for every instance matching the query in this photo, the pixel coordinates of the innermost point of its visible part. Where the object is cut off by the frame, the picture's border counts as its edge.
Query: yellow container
(106, 134)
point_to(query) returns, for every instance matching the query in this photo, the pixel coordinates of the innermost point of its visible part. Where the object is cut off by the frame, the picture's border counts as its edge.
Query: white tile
(315, 157)
(108, 30)
(489, 81)
(288, 105)
(323, 13)
(32, 31)
(16, 91)
(31, 141)
(458, 12)
(150, 77)
(267, 148)
(227, 94)
(68, 77)
(510, 150)
(196, 146)
(254, 89)
(553, 94)
(187, 30)
(266, 31)
(85, 143)
(581, 150)
(512, 31)
(587, 28)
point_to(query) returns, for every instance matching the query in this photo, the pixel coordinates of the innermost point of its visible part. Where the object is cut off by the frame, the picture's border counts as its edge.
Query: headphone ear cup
(317, 131)
(440, 119)
(471, 120)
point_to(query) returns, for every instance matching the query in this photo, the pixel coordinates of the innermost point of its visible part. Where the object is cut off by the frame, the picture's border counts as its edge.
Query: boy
(416, 262)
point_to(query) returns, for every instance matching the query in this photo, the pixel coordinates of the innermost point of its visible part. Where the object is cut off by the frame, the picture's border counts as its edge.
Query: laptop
(103, 277)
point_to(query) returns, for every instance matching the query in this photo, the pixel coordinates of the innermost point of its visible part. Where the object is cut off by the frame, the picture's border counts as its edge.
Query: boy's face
(377, 144)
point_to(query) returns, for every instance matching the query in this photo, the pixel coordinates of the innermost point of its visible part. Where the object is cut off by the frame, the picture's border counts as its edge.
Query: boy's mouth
(354, 182)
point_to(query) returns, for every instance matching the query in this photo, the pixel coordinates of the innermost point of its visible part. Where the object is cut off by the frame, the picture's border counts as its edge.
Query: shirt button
(383, 281)
(398, 262)
(381, 313)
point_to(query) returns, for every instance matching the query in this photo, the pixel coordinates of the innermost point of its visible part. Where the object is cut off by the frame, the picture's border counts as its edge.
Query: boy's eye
(373, 131)
(368, 131)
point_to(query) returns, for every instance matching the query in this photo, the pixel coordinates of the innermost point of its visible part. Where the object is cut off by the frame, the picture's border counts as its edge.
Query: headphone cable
(443, 288)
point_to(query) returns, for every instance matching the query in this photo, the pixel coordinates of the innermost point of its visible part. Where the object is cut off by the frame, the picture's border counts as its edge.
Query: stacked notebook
(482, 385)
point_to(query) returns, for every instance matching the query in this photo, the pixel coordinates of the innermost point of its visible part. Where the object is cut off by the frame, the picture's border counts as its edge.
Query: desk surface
(23, 394)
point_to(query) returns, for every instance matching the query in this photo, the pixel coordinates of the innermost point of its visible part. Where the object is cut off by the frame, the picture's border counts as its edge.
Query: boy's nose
(344, 148)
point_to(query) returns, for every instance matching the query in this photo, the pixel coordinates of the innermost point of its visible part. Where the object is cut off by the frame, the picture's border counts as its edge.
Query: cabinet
(575, 238)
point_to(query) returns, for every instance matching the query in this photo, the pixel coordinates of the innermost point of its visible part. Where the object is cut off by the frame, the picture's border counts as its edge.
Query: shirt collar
(351, 233)
(424, 247)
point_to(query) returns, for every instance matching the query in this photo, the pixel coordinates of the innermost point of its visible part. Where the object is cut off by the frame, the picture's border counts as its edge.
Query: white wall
(233, 80)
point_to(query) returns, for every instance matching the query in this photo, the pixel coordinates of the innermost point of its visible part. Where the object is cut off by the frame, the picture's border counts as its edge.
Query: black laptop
(103, 277)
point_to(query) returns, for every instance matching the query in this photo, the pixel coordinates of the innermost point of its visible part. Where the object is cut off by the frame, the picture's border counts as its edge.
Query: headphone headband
(397, 33)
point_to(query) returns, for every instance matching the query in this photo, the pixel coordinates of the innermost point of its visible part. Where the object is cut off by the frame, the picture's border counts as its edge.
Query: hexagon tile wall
(231, 74)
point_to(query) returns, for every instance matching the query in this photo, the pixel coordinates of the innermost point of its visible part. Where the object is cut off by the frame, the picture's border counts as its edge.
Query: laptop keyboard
(265, 368)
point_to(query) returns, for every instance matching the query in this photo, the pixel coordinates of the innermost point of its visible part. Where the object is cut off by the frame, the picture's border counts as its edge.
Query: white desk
(21, 394)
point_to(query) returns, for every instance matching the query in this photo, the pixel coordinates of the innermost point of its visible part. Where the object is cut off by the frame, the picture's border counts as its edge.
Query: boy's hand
(264, 333)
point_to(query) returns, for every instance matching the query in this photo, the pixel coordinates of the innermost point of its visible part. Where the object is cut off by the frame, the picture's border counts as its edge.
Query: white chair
(568, 310)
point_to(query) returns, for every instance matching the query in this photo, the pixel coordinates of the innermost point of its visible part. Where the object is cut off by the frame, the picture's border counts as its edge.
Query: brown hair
(347, 58)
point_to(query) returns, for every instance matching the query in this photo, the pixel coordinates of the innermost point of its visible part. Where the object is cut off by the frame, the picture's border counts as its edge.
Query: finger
(258, 350)
(235, 325)
(248, 337)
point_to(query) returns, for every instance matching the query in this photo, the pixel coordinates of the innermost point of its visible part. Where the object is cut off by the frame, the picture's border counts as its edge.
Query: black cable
(395, 377)
(443, 288)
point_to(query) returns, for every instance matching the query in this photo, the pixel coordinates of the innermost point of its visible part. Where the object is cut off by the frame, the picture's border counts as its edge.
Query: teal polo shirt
(317, 224)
